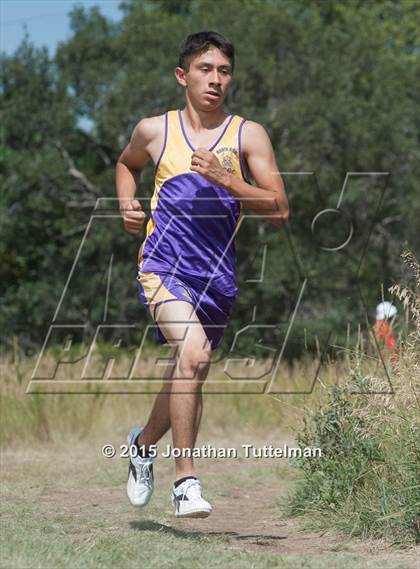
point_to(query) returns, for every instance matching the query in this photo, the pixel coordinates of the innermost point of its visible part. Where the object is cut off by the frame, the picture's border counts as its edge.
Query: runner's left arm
(268, 198)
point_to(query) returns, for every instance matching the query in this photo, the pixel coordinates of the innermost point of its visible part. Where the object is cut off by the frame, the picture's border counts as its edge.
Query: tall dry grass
(230, 407)
(368, 479)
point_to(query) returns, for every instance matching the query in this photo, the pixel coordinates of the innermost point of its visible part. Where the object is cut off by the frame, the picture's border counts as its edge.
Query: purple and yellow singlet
(189, 250)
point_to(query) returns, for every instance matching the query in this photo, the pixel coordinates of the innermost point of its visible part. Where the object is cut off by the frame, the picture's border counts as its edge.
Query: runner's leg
(159, 420)
(180, 325)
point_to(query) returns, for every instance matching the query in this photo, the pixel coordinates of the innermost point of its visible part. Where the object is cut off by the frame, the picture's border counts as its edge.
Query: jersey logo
(227, 156)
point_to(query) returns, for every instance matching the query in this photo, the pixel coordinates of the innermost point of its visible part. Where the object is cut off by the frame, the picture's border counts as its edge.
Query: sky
(47, 21)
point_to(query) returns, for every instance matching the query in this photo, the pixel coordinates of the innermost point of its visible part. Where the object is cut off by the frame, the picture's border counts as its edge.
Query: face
(207, 80)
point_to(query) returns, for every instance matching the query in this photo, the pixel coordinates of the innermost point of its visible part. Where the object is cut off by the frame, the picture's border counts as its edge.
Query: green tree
(334, 83)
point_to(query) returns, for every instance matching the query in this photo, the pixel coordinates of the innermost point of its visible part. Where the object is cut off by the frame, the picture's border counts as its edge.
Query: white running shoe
(187, 500)
(140, 474)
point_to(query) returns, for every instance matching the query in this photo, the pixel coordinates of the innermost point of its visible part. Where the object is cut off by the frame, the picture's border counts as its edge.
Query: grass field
(64, 504)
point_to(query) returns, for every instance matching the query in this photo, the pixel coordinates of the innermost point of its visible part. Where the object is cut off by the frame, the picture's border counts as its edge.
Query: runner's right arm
(130, 164)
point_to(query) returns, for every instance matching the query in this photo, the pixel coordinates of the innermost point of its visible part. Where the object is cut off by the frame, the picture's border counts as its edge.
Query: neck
(203, 120)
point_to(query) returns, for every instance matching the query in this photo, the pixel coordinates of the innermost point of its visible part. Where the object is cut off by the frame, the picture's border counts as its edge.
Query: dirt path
(79, 492)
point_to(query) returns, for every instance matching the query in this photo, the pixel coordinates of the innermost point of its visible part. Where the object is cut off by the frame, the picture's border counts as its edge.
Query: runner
(204, 158)
(385, 315)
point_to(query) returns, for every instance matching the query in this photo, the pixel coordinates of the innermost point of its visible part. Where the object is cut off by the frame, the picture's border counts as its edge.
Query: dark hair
(200, 42)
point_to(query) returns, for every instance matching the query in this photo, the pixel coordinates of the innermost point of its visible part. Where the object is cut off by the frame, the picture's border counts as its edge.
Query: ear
(180, 76)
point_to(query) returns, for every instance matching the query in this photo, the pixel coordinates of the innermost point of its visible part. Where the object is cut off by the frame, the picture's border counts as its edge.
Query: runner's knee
(193, 364)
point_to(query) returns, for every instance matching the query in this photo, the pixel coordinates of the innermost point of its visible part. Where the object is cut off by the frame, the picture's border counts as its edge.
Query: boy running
(186, 278)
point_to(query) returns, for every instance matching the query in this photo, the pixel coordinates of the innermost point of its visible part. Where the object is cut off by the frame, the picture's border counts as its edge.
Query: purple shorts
(213, 309)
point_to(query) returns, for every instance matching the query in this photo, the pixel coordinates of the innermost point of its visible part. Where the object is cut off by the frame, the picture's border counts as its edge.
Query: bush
(368, 477)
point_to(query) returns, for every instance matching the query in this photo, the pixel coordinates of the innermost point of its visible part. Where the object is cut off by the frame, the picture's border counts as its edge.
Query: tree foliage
(336, 86)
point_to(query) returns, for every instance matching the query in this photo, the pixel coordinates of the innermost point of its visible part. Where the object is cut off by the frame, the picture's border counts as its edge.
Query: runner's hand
(133, 217)
(207, 164)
